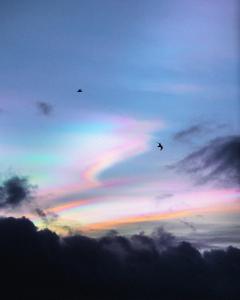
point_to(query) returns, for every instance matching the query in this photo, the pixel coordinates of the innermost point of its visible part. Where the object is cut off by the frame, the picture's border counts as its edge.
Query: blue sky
(148, 70)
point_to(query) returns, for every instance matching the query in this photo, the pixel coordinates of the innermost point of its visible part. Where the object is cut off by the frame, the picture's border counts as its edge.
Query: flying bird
(160, 146)
(79, 91)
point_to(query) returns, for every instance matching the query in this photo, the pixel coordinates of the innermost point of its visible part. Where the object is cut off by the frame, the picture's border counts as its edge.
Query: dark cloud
(69, 230)
(163, 239)
(15, 191)
(45, 108)
(46, 216)
(197, 130)
(40, 263)
(218, 161)
(189, 132)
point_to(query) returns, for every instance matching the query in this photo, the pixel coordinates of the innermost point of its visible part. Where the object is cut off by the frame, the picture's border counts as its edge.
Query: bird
(160, 146)
(79, 91)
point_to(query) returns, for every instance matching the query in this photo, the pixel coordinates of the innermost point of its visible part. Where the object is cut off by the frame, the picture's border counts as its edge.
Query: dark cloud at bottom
(38, 264)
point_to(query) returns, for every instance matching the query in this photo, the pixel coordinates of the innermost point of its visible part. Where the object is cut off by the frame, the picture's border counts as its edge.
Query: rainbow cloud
(90, 153)
(104, 213)
(74, 156)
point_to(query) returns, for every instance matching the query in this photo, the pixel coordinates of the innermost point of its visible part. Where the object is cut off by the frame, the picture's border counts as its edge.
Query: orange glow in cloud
(160, 216)
(69, 205)
(106, 212)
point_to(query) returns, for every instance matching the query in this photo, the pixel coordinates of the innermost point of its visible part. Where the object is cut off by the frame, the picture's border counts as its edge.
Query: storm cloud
(43, 264)
(217, 162)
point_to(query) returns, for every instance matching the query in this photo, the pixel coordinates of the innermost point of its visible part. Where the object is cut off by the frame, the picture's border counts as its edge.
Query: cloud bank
(112, 267)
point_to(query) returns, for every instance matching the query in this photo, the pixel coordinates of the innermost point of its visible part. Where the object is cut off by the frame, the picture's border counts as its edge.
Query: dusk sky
(151, 71)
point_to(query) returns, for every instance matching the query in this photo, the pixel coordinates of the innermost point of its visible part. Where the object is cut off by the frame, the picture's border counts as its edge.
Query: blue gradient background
(148, 69)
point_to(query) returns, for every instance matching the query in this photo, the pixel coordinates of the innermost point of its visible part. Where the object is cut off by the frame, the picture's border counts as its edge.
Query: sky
(150, 71)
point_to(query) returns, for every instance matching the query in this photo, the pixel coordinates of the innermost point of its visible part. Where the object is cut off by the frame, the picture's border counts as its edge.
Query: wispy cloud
(174, 88)
(217, 162)
(188, 133)
(164, 196)
(198, 130)
(188, 224)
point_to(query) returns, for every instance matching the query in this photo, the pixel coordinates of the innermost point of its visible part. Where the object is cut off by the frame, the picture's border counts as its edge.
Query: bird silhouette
(79, 91)
(160, 146)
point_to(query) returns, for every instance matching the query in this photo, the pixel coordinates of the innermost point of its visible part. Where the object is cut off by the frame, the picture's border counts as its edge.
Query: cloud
(112, 267)
(197, 130)
(189, 132)
(44, 108)
(124, 138)
(15, 191)
(46, 217)
(211, 236)
(163, 239)
(174, 88)
(217, 162)
(188, 224)
(164, 196)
